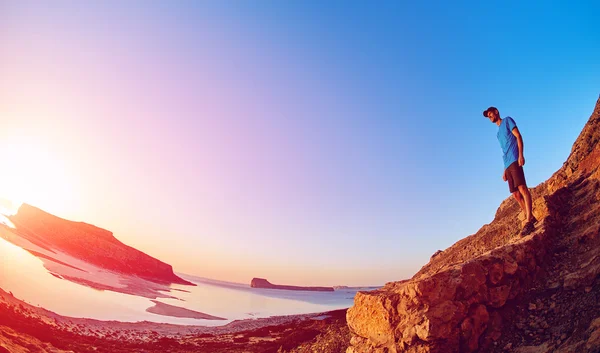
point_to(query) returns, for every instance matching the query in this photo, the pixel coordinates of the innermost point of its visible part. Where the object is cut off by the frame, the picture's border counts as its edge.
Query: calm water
(26, 277)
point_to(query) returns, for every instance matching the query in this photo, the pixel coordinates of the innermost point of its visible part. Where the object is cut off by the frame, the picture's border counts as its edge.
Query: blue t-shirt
(508, 141)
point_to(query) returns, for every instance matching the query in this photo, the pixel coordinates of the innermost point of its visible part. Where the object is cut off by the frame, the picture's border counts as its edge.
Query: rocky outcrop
(263, 283)
(497, 292)
(91, 244)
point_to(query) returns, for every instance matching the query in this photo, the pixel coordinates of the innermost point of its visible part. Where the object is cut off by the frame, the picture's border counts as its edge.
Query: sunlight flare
(32, 173)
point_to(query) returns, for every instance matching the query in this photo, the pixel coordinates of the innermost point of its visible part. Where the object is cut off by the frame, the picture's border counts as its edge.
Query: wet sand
(176, 311)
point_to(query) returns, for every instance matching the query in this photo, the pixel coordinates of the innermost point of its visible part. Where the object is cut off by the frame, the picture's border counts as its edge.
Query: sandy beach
(40, 327)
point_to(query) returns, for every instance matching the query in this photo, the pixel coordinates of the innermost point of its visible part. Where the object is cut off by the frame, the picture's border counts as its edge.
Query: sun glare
(6, 221)
(30, 173)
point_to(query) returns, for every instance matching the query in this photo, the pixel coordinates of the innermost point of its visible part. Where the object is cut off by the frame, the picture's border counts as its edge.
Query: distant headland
(263, 283)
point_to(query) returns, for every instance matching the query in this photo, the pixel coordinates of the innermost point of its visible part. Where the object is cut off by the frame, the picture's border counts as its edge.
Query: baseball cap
(485, 112)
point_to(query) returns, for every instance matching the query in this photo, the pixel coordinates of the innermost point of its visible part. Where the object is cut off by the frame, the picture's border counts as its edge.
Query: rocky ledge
(497, 292)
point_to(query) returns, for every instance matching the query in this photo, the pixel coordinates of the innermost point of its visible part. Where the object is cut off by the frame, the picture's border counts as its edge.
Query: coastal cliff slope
(495, 291)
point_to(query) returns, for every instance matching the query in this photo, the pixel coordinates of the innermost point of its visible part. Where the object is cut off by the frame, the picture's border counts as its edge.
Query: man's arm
(517, 134)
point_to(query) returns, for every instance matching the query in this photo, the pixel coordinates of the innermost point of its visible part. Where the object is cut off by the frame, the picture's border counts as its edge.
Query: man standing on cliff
(511, 143)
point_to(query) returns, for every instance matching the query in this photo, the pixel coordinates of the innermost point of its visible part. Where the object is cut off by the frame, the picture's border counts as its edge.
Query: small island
(340, 287)
(263, 283)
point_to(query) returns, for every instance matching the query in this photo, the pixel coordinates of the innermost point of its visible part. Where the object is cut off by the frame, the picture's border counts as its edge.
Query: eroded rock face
(460, 300)
(450, 310)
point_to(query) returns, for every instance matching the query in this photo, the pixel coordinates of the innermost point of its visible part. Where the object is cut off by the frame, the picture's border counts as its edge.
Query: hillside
(495, 291)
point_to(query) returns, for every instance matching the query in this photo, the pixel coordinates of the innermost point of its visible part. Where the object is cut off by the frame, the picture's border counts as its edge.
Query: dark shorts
(515, 176)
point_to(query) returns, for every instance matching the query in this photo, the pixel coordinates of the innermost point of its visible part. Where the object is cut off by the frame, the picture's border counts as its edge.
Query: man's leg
(524, 191)
(510, 178)
(519, 198)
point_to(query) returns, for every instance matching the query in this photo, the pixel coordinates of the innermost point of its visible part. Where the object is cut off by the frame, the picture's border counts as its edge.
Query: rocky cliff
(263, 283)
(91, 244)
(495, 291)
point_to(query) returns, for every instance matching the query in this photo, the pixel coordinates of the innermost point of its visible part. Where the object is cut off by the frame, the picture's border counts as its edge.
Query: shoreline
(25, 328)
(164, 329)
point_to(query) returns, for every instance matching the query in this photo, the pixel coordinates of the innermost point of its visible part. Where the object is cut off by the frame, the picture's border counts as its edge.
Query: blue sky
(305, 142)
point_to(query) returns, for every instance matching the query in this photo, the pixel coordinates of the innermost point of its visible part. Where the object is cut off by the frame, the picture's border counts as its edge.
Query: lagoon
(30, 278)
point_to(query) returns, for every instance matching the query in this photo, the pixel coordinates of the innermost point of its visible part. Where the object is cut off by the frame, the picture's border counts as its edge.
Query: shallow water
(28, 279)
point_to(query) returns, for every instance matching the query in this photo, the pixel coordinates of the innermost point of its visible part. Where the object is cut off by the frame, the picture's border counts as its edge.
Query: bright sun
(31, 174)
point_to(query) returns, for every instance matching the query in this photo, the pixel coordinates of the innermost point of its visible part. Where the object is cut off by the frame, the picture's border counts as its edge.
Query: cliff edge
(495, 291)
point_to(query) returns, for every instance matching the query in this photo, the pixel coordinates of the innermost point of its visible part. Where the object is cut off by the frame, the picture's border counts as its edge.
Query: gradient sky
(303, 142)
